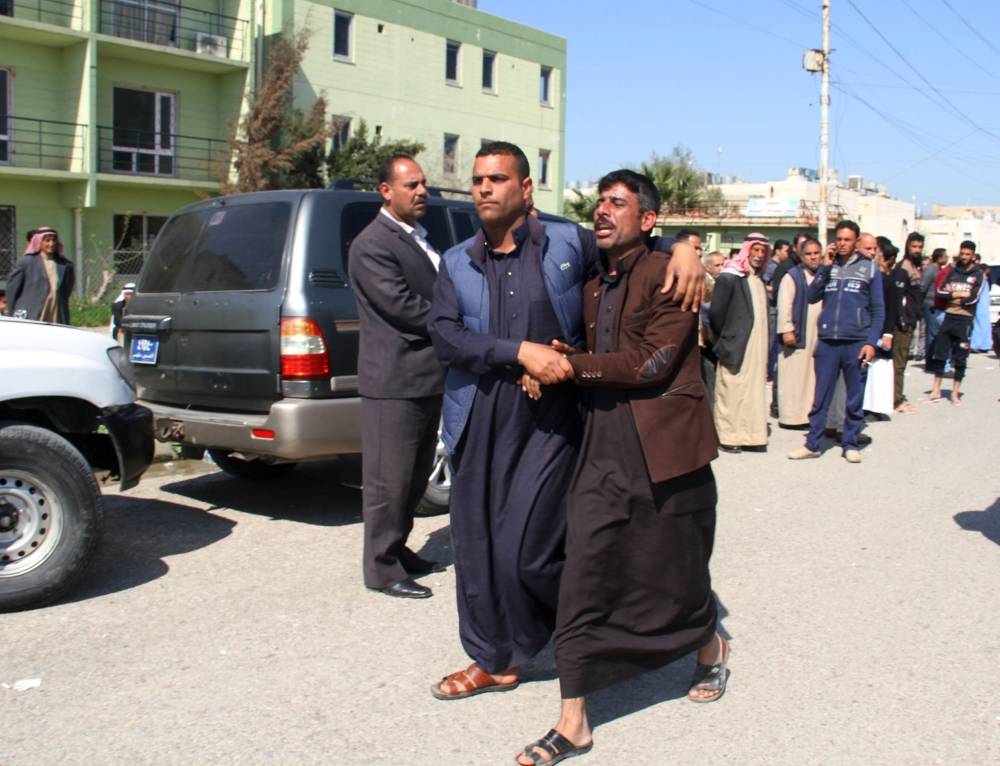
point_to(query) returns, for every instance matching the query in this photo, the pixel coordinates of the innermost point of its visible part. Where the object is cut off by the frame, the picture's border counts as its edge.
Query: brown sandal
(473, 680)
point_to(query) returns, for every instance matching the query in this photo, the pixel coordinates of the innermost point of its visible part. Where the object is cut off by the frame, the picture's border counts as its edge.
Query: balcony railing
(62, 13)
(164, 155)
(41, 144)
(175, 26)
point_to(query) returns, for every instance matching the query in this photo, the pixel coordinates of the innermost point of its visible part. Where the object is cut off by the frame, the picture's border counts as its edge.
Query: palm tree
(582, 208)
(681, 184)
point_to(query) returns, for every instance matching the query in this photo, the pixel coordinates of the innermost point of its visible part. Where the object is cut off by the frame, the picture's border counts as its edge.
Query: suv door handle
(146, 322)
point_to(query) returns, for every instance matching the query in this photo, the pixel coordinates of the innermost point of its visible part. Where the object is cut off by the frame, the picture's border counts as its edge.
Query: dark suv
(244, 333)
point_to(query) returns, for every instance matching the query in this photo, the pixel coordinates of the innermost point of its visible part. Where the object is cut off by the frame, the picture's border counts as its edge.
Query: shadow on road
(437, 547)
(311, 494)
(986, 521)
(138, 534)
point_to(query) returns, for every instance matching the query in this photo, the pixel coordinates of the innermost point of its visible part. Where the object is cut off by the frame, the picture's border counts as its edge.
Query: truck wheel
(50, 515)
(260, 469)
(438, 492)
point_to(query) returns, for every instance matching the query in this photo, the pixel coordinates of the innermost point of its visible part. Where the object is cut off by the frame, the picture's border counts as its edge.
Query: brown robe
(636, 591)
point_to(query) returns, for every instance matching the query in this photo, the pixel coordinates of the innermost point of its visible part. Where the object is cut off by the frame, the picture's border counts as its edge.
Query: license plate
(144, 349)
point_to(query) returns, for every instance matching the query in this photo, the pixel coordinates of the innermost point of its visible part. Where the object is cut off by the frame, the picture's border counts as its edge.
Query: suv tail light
(303, 349)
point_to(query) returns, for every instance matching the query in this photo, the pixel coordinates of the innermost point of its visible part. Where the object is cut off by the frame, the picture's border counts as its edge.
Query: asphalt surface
(225, 623)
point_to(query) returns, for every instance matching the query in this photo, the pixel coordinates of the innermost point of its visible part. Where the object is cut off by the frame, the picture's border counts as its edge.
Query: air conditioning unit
(211, 45)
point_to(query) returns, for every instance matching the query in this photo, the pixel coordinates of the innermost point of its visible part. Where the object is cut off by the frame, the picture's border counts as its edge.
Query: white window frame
(458, 63)
(349, 17)
(492, 88)
(545, 78)
(171, 9)
(544, 164)
(157, 151)
(7, 127)
(453, 172)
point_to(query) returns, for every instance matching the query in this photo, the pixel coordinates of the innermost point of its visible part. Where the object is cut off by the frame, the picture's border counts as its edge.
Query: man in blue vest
(500, 300)
(850, 324)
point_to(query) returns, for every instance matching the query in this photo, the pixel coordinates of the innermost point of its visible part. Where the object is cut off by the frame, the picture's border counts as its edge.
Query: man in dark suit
(392, 269)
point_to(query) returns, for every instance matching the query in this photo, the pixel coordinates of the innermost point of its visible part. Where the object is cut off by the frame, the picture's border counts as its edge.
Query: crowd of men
(833, 332)
(585, 380)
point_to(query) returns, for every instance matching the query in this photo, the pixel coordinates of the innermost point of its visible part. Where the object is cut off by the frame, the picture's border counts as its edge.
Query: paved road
(226, 624)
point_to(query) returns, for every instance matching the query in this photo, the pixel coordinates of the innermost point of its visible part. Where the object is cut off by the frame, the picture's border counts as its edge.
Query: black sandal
(711, 678)
(556, 746)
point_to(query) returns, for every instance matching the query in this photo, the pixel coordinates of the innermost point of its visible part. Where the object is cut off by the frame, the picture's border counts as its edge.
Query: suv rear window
(219, 249)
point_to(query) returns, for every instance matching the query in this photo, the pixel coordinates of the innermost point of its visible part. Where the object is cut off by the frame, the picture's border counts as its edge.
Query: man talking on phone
(850, 324)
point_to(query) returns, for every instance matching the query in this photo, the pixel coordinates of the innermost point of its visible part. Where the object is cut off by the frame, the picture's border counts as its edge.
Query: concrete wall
(950, 232)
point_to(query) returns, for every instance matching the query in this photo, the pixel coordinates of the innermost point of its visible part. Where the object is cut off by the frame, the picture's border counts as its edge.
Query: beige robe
(741, 392)
(796, 371)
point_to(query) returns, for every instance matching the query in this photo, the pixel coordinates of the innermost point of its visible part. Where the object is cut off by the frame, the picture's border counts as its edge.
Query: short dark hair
(939, 253)
(889, 251)
(685, 234)
(914, 236)
(31, 233)
(638, 184)
(385, 167)
(507, 149)
(847, 224)
(781, 243)
(809, 240)
(883, 241)
(968, 244)
(803, 235)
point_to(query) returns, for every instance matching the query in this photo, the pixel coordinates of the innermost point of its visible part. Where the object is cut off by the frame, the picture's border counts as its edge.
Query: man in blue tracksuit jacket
(850, 325)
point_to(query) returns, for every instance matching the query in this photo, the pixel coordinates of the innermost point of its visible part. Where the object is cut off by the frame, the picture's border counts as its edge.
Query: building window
(341, 132)
(343, 37)
(451, 62)
(450, 154)
(545, 85)
(543, 167)
(8, 239)
(6, 118)
(143, 134)
(134, 235)
(489, 71)
(150, 22)
(6, 7)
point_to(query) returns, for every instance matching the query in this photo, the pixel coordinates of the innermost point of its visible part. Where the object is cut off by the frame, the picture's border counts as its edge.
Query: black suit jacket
(731, 317)
(393, 281)
(28, 287)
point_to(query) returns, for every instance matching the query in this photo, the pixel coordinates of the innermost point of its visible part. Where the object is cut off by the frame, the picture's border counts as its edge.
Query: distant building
(783, 208)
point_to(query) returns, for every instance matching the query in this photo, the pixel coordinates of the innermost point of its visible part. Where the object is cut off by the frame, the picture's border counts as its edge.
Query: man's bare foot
(955, 399)
(905, 408)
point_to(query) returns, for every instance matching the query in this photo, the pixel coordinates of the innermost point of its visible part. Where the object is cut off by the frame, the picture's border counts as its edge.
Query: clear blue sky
(644, 76)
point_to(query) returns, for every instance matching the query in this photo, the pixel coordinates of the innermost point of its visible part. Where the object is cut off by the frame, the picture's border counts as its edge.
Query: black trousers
(398, 439)
(952, 338)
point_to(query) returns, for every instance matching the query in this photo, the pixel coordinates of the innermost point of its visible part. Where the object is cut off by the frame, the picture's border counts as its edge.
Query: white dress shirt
(419, 234)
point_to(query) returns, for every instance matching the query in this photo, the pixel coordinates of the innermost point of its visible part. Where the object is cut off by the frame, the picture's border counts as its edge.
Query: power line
(974, 31)
(958, 49)
(738, 20)
(916, 71)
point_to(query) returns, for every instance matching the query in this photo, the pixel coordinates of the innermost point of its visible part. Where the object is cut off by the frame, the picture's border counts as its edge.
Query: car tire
(51, 512)
(260, 469)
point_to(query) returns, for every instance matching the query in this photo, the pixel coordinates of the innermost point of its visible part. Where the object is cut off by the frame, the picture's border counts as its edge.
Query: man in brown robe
(636, 592)
(797, 331)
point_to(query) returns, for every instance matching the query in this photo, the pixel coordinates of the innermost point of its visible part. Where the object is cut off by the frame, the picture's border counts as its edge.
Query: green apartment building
(114, 113)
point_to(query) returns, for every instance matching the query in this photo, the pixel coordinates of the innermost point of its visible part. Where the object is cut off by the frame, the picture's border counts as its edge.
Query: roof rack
(355, 183)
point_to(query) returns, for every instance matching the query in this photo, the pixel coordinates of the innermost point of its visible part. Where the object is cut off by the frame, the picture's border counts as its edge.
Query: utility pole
(819, 61)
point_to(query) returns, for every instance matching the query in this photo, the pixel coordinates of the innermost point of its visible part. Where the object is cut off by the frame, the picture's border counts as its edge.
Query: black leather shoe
(423, 567)
(407, 589)
(731, 450)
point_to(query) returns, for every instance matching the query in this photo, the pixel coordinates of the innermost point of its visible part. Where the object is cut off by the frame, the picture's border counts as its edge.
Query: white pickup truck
(67, 408)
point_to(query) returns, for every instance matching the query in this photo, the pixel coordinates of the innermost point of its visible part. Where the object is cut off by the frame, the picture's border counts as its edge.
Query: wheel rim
(440, 479)
(30, 522)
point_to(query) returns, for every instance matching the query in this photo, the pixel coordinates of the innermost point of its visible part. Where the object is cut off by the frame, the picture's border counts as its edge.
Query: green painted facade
(394, 78)
(66, 161)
